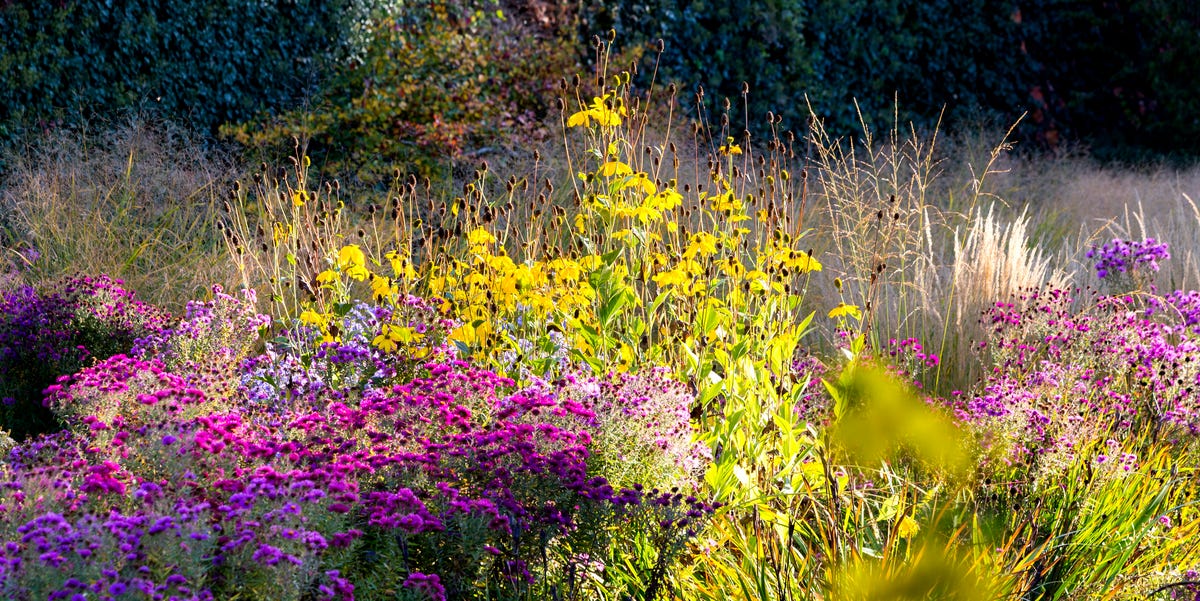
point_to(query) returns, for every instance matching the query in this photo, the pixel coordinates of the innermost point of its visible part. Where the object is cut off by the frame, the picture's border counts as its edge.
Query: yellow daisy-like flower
(804, 262)
(391, 337)
(908, 527)
(598, 110)
(352, 261)
(480, 237)
(382, 287)
(665, 200)
(328, 277)
(612, 168)
(844, 310)
(729, 148)
(312, 318)
(674, 277)
(703, 244)
(401, 266)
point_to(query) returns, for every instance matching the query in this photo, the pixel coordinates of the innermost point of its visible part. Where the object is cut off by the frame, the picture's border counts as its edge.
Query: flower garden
(703, 370)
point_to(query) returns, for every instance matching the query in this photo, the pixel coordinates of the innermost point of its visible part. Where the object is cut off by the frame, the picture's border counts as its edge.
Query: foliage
(436, 81)
(202, 62)
(1115, 76)
(56, 330)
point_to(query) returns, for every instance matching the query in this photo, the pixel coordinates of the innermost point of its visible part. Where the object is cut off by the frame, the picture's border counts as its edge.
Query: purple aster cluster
(301, 366)
(911, 360)
(806, 371)
(45, 333)
(1181, 307)
(1068, 373)
(642, 423)
(225, 327)
(1119, 257)
(330, 471)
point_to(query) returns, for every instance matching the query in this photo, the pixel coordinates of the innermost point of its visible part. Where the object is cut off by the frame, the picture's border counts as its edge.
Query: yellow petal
(843, 310)
(612, 168)
(581, 118)
(351, 256)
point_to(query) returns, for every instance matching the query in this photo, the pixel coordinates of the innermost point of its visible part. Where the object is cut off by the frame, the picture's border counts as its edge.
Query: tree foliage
(1116, 74)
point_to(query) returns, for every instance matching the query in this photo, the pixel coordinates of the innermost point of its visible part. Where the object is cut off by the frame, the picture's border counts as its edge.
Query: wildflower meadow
(661, 352)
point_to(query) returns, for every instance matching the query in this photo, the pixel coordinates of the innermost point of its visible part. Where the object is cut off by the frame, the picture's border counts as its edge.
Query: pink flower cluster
(432, 478)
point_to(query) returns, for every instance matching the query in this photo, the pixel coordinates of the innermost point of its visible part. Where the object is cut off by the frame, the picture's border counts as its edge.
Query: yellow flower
(843, 310)
(703, 244)
(501, 264)
(480, 237)
(612, 168)
(665, 200)
(591, 262)
(566, 270)
(471, 334)
(328, 277)
(726, 202)
(392, 336)
(401, 266)
(793, 259)
(280, 232)
(729, 148)
(312, 318)
(641, 181)
(733, 268)
(381, 287)
(352, 260)
(675, 277)
(908, 527)
(645, 214)
(439, 284)
(385, 343)
(598, 110)
(804, 262)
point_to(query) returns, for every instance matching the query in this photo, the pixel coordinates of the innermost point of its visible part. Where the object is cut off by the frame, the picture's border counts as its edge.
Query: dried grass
(136, 201)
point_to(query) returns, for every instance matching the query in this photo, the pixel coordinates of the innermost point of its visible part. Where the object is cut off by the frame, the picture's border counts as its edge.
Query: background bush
(204, 62)
(424, 80)
(436, 81)
(1114, 75)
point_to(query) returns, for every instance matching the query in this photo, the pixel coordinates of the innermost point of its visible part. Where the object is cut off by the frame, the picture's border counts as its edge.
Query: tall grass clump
(137, 201)
(919, 254)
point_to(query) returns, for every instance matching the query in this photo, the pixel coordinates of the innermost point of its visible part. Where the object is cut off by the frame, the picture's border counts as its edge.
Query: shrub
(1114, 76)
(202, 62)
(47, 333)
(451, 484)
(436, 81)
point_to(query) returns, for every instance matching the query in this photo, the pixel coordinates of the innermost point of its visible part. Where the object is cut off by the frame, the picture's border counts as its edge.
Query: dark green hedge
(1117, 74)
(205, 62)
